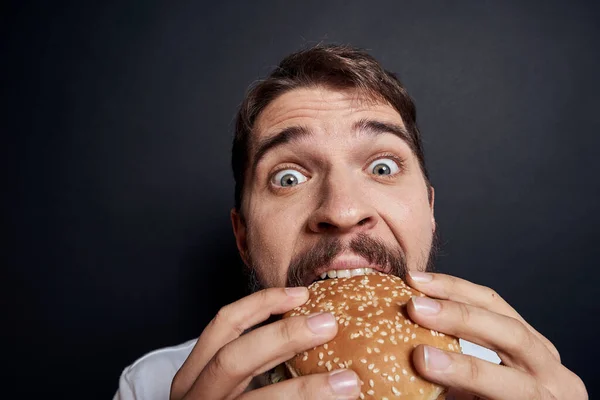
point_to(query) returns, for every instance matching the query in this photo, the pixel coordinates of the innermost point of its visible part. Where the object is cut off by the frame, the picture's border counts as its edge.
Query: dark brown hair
(334, 66)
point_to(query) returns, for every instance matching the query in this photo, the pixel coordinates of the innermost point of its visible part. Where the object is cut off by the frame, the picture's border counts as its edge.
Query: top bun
(375, 336)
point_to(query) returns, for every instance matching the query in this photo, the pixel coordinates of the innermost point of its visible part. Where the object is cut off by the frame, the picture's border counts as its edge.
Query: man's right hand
(223, 361)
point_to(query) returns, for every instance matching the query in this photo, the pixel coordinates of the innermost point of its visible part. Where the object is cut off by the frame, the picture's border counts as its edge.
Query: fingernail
(321, 323)
(420, 277)
(343, 382)
(436, 360)
(426, 306)
(299, 291)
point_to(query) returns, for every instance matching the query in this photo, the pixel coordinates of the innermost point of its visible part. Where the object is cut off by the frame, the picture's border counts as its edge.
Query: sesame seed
(304, 358)
(325, 346)
(412, 379)
(421, 391)
(370, 392)
(397, 378)
(320, 355)
(389, 378)
(363, 360)
(371, 383)
(370, 366)
(392, 357)
(320, 363)
(336, 359)
(375, 370)
(396, 391)
(330, 352)
(376, 350)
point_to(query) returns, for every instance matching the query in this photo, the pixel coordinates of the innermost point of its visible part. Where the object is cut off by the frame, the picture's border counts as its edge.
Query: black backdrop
(117, 123)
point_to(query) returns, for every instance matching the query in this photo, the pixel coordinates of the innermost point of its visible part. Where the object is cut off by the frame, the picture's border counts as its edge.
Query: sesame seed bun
(375, 336)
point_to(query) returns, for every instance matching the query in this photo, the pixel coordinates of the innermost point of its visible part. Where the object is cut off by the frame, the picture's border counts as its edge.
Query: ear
(239, 231)
(431, 206)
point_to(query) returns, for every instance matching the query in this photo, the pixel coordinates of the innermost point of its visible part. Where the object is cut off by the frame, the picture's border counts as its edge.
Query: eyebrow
(296, 133)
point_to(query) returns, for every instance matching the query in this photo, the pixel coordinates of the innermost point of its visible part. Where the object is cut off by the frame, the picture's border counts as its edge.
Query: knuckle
(580, 389)
(464, 313)
(474, 371)
(225, 316)
(304, 388)
(223, 365)
(532, 391)
(554, 351)
(286, 331)
(523, 339)
(490, 296)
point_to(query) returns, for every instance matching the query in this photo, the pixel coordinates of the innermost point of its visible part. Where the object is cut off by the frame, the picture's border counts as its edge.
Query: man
(331, 178)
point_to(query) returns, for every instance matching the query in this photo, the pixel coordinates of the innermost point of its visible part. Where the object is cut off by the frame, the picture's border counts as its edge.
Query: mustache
(374, 250)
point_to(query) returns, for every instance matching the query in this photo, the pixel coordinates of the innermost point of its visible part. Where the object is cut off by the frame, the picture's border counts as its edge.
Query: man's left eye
(384, 166)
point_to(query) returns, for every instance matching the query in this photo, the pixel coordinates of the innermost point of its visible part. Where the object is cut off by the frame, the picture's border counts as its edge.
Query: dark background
(116, 131)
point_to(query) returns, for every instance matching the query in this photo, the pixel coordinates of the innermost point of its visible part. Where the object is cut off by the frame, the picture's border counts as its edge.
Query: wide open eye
(384, 166)
(288, 178)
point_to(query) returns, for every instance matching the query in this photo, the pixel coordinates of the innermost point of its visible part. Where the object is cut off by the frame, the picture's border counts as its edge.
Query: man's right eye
(288, 178)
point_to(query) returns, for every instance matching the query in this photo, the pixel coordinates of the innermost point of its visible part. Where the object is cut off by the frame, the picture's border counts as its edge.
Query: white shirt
(149, 378)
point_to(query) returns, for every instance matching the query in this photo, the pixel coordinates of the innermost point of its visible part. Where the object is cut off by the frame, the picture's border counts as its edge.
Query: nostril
(325, 226)
(363, 221)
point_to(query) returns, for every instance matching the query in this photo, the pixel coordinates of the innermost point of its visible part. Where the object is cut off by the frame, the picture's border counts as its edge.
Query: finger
(476, 376)
(261, 350)
(229, 323)
(339, 384)
(515, 344)
(448, 287)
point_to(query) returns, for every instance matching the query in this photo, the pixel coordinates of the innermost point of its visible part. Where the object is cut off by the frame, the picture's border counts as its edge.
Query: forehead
(321, 107)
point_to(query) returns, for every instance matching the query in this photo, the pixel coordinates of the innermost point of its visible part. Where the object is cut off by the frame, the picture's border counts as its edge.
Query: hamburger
(375, 336)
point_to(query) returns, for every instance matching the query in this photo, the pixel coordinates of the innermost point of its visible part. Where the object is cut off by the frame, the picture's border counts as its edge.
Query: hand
(224, 360)
(531, 367)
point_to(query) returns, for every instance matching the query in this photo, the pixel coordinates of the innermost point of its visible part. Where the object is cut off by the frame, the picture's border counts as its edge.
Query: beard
(375, 251)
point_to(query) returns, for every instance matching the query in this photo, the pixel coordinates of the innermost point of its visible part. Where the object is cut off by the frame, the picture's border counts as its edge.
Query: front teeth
(346, 273)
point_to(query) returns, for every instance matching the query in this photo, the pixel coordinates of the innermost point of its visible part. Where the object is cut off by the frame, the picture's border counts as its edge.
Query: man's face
(331, 185)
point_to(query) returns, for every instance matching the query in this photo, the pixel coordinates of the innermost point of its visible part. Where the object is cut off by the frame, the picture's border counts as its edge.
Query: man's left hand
(531, 366)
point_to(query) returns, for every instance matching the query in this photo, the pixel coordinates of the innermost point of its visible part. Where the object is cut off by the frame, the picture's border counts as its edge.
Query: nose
(343, 208)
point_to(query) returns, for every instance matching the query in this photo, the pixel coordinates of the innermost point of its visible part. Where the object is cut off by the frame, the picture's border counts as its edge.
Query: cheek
(409, 217)
(273, 233)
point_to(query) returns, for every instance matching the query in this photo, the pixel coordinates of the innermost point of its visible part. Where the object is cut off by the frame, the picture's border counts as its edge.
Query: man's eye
(288, 177)
(384, 166)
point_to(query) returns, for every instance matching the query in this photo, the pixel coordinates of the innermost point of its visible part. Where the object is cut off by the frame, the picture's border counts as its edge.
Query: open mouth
(345, 273)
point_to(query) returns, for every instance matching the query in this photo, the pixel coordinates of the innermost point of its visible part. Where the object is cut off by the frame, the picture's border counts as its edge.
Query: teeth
(343, 273)
(346, 273)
